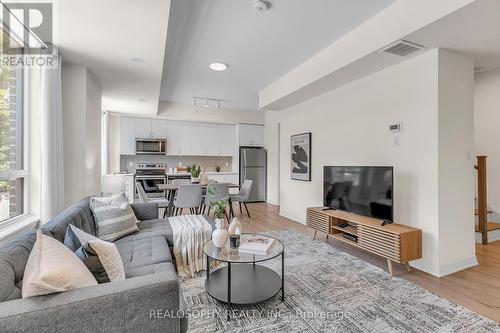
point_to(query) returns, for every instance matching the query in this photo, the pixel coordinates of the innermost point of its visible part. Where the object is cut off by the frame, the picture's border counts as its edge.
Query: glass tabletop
(227, 254)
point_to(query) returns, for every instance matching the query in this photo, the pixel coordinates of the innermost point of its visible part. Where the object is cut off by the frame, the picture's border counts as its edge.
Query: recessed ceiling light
(218, 66)
(137, 60)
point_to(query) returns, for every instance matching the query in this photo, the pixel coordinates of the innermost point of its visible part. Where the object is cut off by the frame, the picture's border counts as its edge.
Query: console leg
(389, 265)
(228, 288)
(315, 232)
(408, 268)
(283, 276)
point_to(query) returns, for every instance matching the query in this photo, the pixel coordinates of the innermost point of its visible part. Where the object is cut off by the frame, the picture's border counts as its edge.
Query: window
(12, 172)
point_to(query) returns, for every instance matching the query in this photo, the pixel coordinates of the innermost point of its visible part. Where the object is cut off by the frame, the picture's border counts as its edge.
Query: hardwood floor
(477, 288)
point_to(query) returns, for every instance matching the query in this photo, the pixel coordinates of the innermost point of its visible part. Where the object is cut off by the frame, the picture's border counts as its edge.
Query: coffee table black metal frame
(244, 282)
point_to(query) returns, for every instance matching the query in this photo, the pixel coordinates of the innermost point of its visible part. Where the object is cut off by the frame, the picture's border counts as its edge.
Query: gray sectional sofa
(124, 306)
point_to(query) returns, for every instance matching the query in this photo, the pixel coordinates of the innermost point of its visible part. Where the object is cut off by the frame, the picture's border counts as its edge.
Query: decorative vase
(219, 235)
(235, 228)
(204, 179)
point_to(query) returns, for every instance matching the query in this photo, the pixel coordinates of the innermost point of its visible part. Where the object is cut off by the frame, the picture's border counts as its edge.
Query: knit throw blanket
(190, 232)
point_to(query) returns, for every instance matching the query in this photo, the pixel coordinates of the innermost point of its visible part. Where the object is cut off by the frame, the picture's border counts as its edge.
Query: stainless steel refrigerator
(253, 166)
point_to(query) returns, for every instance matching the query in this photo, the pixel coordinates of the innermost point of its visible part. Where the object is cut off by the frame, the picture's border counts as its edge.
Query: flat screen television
(363, 190)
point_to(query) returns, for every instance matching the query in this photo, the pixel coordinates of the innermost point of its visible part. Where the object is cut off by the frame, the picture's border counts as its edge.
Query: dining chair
(220, 191)
(242, 196)
(188, 196)
(143, 198)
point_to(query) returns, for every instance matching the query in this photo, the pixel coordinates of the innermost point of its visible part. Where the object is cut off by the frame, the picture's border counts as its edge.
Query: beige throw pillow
(52, 268)
(110, 265)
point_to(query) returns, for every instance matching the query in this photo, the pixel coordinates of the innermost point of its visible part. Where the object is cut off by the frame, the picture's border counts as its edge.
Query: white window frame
(23, 220)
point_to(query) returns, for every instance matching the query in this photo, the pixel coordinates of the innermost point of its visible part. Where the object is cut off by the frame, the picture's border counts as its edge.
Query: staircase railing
(482, 198)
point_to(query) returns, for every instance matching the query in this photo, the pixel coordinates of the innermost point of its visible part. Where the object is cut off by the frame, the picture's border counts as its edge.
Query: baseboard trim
(457, 266)
(293, 218)
(492, 236)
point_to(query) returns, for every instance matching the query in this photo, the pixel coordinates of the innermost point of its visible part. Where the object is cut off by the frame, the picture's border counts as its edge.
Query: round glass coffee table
(242, 280)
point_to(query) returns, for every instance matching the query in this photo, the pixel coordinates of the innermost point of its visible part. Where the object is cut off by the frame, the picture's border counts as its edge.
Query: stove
(150, 175)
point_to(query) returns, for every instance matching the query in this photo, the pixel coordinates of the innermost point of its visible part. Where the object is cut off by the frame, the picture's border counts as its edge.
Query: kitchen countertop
(207, 173)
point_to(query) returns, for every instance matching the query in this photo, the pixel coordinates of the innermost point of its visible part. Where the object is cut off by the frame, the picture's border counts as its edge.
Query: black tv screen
(363, 190)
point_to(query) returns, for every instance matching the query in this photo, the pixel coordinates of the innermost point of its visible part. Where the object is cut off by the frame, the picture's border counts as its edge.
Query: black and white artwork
(300, 151)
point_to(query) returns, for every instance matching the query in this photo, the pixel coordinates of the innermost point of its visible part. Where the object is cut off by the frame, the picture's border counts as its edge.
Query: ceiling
(467, 27)
(259, 47)
(105, 35)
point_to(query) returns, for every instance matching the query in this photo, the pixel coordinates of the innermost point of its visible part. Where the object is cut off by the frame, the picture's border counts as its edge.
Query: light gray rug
(328, 290)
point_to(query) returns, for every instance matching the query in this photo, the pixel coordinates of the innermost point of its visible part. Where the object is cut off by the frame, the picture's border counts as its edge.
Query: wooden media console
(395, 242)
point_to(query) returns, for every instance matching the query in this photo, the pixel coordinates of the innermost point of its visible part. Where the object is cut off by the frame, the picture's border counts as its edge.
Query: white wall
(114, 142)
(456, 164)
(349, 127)
(81, 107)
(176, 111)
(487, 133)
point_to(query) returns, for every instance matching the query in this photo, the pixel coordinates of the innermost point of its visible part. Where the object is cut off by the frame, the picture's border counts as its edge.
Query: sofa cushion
(78, 215)
(153, 228)
(13, 258)
(150, 269)
(143, 252)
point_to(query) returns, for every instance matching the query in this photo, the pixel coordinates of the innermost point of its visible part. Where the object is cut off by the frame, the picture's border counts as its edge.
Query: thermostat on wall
(394, 127)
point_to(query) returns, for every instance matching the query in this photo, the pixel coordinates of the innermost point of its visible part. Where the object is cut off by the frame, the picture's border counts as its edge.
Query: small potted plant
(195, 173)
(220, 234)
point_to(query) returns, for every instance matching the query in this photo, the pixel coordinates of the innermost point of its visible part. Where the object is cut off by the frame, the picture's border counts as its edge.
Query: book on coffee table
(256, 245)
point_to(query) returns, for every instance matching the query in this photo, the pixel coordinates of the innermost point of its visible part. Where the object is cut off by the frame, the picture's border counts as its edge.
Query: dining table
(171, 189)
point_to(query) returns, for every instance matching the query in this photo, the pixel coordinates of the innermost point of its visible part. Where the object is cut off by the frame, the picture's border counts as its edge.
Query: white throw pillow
(52, 268)
(114, 217)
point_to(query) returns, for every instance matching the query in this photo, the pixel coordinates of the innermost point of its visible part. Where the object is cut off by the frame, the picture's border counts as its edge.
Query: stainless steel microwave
(150, 146)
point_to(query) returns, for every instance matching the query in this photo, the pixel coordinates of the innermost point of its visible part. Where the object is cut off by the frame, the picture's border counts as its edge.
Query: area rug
(328, 290)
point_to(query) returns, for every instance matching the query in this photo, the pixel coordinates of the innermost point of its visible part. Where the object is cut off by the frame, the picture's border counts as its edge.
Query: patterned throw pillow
(114, 217)
(101, 257)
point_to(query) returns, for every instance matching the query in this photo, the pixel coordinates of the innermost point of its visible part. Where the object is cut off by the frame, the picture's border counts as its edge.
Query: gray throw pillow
(114, 217)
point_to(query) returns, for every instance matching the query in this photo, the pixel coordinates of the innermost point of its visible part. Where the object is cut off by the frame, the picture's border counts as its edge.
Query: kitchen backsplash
(208, 163)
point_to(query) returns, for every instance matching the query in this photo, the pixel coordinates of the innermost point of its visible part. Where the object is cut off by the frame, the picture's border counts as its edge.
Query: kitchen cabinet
(179, 140)
(205, 139)
(142, 128)
(159, 128)
(150, 128)
(225, 177)
(127, 136)
(251, 135)
(227, 140)
(184, 138)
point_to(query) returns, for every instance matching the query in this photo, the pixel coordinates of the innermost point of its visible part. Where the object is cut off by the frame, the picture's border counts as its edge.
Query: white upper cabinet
(179, 138)
(158, 128)
(127, 136)
(150, 128)
(142, 128)
(227, 140)
(251, 135)
(183, 138)
(205, 139)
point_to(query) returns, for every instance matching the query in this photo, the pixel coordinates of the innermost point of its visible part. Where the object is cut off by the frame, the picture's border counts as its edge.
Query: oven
(150, 176)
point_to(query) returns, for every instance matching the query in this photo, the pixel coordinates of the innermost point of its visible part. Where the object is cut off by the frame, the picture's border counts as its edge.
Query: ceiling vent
(403, 48)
